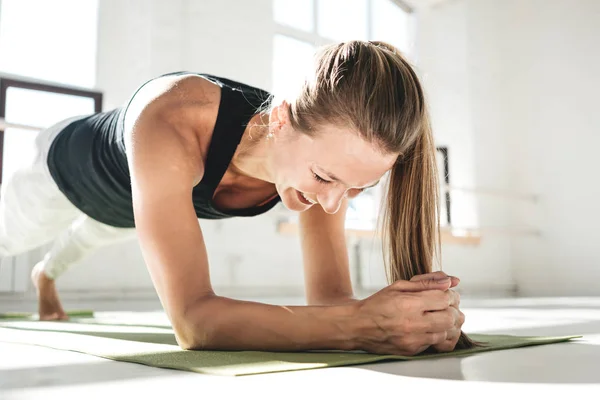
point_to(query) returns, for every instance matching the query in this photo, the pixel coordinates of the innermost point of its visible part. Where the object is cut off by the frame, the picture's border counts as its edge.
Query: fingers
(449, 344)
(438, 321)
(432, 275)
(436, 300)
(421, 285)
(442, 341)
(454, 298)
(434, 338)
(453, 334)
(436, 276)
(424, 340)
(455, 281)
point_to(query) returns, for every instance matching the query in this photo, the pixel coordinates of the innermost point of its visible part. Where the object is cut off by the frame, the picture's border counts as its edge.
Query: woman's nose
(331, 200)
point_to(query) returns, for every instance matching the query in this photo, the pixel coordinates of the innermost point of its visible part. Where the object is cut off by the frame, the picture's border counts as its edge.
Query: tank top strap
(238, 104)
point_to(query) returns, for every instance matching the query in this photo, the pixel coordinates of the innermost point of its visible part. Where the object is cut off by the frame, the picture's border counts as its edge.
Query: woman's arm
(325, 256)
(165, 164)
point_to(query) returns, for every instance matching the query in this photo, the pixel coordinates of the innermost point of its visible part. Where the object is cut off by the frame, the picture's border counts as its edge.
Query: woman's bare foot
(49, 307)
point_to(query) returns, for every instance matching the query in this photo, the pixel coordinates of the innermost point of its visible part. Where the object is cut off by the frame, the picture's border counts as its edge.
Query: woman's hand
(436, 276)
(454, 334)
(407, 317)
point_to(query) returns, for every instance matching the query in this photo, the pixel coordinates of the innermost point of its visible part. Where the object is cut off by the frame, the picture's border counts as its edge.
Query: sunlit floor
(564, 369)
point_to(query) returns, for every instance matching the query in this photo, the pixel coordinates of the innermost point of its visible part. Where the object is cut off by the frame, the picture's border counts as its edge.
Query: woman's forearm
(330, 301)
(220, 323)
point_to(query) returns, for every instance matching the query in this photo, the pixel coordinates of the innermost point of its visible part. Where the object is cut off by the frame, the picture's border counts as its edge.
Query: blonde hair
(370, 88)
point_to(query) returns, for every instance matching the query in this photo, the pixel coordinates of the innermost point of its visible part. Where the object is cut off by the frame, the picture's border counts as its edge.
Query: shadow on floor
(569, 362)
(76, 374)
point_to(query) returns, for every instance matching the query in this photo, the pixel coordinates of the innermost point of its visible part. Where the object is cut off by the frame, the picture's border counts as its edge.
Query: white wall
(514, 88)
(551, 62)
(455, 69)
(534, 83)
(511, 83)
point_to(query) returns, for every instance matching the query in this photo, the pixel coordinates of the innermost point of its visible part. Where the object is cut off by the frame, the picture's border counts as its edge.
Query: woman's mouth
(304, 200)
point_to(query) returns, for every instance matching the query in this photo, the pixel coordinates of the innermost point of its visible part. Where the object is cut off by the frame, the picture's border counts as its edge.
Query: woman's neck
(251, 157)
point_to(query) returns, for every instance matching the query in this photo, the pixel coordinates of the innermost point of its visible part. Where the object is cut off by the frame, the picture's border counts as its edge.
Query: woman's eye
(319, 179)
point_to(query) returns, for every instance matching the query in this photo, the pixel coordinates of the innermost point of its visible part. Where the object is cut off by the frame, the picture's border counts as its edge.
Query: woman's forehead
(343, 142)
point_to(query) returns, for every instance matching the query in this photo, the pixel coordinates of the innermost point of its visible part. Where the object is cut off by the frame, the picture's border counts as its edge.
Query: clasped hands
(454, 334)
(409, 317)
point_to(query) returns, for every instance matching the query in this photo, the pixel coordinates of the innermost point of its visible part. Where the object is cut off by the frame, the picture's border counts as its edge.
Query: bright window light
(390, 23)
(295, 13)
(291, 60)
(50, 40)
(342, 19)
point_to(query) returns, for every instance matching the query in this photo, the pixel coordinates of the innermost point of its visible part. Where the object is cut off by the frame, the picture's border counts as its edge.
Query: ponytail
(411, 228)
(372, 89)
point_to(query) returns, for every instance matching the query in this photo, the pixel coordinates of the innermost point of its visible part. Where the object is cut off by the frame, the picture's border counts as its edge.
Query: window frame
(316, 40)
(8, 81)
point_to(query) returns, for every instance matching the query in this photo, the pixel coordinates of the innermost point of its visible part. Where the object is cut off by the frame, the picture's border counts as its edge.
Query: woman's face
(323, 170)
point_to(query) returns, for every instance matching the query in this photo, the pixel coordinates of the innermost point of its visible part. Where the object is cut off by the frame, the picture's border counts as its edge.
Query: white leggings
(33, 212)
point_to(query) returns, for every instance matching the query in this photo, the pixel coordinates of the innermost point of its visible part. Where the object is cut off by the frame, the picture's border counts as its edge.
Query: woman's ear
(279, 118)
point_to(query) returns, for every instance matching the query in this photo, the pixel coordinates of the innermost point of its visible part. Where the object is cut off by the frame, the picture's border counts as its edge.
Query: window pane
(295, 13)
(291, 60)
(50, 40)
(35, 108)
(38, 108)
(390, 23)
(342, 19)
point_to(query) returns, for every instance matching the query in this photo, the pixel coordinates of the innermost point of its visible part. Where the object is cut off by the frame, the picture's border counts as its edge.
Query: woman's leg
(33, 211)
(83, 237)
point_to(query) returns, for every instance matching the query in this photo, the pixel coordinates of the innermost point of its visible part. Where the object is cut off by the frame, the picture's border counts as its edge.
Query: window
(297, 14)
(291, 58)
(45, 41)
(49, 108)
(46, 49)
(304, 25)
(50, 40)
(341, 20)
(392, 23)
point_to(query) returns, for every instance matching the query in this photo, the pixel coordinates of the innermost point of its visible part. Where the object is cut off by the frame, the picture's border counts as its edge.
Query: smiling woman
(189, 146)
(303, 164)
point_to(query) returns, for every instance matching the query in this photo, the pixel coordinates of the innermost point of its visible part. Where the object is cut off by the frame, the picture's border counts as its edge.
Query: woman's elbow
(193, 337)
(192, 328)
(190, 343)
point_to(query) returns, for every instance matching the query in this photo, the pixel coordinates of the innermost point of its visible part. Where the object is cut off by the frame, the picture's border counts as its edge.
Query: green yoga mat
(154, 345)
(28, 315)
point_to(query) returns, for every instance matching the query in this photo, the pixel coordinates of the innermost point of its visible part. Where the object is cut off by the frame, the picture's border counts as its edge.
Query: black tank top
(88, 162)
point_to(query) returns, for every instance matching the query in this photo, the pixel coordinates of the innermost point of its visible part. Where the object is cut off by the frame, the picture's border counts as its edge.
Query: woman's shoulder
(177, 89)
(173, 114)
(184, 98)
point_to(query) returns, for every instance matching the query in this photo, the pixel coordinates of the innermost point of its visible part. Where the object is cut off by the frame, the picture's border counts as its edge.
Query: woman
(192, 146)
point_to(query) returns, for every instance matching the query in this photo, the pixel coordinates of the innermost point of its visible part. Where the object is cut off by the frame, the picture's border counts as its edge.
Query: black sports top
(88, 162)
